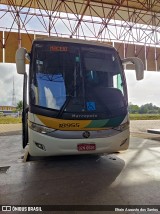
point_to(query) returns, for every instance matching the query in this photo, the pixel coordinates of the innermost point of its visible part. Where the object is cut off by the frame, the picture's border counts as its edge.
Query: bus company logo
(69, 125)
(84, 116)
(86, 134)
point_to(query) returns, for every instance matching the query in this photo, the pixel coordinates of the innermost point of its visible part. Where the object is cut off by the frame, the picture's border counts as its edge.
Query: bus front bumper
(44, 145)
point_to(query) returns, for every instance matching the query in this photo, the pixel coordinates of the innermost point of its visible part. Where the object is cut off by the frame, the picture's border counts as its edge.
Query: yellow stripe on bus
(67, 125)
(61, 124)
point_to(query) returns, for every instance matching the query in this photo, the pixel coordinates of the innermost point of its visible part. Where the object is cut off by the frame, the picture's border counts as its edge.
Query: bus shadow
(71, 179)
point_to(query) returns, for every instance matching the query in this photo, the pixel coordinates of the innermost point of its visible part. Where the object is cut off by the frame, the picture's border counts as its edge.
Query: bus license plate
(86, 147)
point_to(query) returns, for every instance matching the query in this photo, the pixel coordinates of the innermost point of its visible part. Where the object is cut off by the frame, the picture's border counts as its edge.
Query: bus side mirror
(139, 67)
(20, 60)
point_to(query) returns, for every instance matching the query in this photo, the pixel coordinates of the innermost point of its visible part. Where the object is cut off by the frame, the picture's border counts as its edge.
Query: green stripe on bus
(112, 122)
(116, 121)
(97, 123)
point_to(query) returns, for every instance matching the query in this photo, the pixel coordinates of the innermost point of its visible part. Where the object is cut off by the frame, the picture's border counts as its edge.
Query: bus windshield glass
(77, 79)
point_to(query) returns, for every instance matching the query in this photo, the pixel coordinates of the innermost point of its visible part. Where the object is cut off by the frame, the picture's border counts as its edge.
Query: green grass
(144, 116)
(10, 120)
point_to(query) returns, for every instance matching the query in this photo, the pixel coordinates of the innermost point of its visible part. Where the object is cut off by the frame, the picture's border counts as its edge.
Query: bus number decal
(69, 125)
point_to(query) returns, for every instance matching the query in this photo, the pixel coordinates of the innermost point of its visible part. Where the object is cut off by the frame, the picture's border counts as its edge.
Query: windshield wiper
(67, 101)
(71, 94)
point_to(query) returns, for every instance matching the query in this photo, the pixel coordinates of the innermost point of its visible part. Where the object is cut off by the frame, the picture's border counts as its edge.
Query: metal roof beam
(80, 20)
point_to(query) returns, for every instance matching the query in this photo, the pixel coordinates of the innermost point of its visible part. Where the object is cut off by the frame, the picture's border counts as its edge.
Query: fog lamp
(40, 146)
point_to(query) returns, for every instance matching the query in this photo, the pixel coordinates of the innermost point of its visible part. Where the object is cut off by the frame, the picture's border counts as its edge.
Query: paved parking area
(138, 126)
(127, 178)
(10, 129)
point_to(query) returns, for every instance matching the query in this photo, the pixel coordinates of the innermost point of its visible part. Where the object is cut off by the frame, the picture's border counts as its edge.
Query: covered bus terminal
(89, 183)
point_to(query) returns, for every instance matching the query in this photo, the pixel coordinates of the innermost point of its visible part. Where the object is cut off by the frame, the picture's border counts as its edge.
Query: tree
(19, 106)
(133, 109)
(143, 109)
(148, 108)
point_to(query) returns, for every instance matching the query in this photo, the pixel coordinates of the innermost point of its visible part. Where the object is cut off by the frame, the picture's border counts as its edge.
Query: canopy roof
(121, 9)
(132, 26)
(145, 5)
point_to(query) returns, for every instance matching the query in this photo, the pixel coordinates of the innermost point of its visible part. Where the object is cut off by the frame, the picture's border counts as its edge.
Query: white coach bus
(77, 97)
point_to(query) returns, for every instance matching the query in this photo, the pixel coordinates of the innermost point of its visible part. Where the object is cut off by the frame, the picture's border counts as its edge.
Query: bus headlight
(40, 128)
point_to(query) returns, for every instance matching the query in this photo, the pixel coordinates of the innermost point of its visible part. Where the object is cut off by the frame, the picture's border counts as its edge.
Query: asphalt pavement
(126, 178)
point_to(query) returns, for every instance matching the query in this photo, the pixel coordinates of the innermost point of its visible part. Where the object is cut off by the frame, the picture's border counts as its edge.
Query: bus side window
(117, 82)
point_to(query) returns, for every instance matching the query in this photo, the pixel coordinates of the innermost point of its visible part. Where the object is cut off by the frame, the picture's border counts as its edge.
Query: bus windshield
(77, 79)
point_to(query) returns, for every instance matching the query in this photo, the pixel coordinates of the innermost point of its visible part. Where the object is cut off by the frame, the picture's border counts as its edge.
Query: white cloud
(7, 73)
(144, 91)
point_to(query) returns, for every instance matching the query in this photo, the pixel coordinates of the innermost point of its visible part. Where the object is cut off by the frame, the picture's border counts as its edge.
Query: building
(7, 110)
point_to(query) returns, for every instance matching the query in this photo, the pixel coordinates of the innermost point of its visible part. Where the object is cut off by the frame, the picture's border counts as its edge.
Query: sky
(139, 92)
(143, 91)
